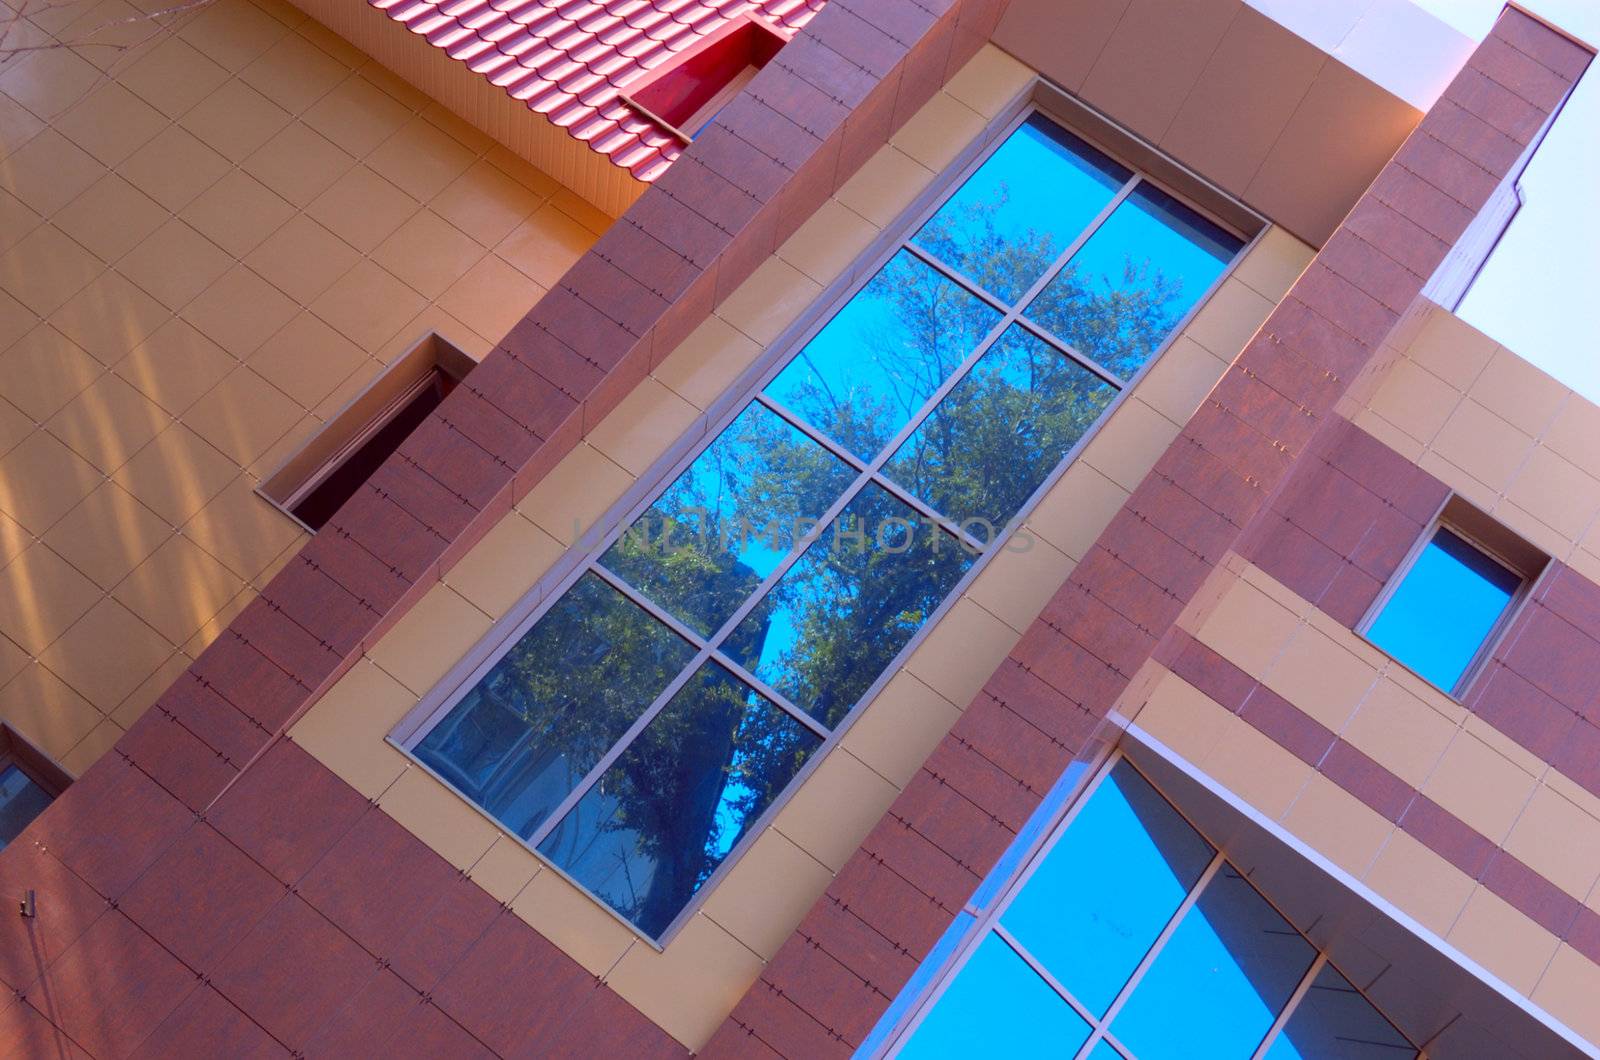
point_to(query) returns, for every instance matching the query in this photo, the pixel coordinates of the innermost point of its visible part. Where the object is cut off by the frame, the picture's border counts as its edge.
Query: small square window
(29, 782)
(328, 470)
(1446, 606)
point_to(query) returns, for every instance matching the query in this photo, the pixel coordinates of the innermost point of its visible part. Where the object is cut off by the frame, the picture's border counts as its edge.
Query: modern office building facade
(882, 527)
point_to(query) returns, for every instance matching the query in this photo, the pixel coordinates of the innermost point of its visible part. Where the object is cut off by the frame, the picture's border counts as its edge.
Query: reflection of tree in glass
(1001, 431)
(550, 708)
(705, 544)
(884, 354)
(967, 236)
(680, 798)
(1117, 320)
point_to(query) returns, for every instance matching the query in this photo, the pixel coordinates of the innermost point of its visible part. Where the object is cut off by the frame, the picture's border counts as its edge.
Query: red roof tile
(569, 59)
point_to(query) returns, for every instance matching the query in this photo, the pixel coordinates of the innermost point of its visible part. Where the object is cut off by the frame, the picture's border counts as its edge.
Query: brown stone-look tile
(776, 135)
(609, 1026)
(818, 64)
(64, 906)
(1555, 655)
(1249, 452)
(1264, 409)
(983, 782)
(73, 828)
(1368, 781)
(1308, 385)
(869, 126)
(1350, 595)
(456, 463)
(435, 504)
(426, 1030)
(1069, 668)
(1573, 597)
(272, 632)
(1471, 136)
(1331, 507)
(24, 1032)
(1536, 40)
(1183, 517)
(766, 1023)
(820, 986)
(513, 986)
(712, 195)
(1495, 104)
(249, 680)
(894, 846)
(1202, 475)
(398, 899)
(944, 815)
(1447, 835)
(1005, 738)
(1341, 302)
(367, 1020)
(809, 108)
(1125, 588)
(1385, 544)
(883, 964)
(1531, 894)
(678, 228)
(1521, 711)
(112, 988)
(592, 334)
(1448, 170)
(1292, 556)
(1203, 668)
(1092, 624)
(1583, 934)
(222, 726)
(201, 897)
(324, 608)
(616, 291)
(856, 40)
(252, 815)
(292, 971)
(378, 524)
(178, 760)
(722, 150)
(1288, 726)
(1400, 237)
(648, 261)
(1155, 554)
(1521, 73)
(1311, 335)
(1367, 265)
(206, 1024)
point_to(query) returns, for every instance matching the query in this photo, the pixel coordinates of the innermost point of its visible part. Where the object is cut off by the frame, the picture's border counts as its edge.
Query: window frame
(986, 922)
(589, 545)
(17, 750)
(369, 410)
(1499, 544)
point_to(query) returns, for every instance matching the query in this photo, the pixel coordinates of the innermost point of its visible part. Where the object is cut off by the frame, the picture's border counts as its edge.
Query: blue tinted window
(21, 800)
(1022, 208)
(604, 734)
(666, 814)
(1221, 979)
(532, 727)
(1001, 430)
(1334, 1019)
(724, 524)
(1119, 297)
(997, 1006)
(883, 355)
(1132, 920)
(1443, 609)
(846, 608)
(1107, 888)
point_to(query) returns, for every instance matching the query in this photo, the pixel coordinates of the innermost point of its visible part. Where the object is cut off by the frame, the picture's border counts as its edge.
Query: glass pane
(883, 355)
(666, 814)
(21, 800)
(1444, 607)
(1096, 903)
(727, 521)
(849, 604)
(1333, 1019)
(996, 1006)
(1022, 208)
(1000, 431)
(540, 719)
(1103, 1051)
(1126, 288)
(1221, 979)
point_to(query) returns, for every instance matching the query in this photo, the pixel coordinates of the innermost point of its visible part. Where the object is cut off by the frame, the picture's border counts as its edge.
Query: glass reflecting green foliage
(1125, 289)
(1108, 886)
(724, 524)
(880, 358)
(524, 736)
(668, 811)
(1001, 430)
(1444, 608)
(997, 1007)
(828, 628)
(1022, 208)
(1335, 1020)
(1221, 979)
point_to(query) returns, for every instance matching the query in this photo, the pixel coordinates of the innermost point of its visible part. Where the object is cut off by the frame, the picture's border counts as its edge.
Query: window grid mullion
(1300, 991)
(1217, 861)
(1049, 980)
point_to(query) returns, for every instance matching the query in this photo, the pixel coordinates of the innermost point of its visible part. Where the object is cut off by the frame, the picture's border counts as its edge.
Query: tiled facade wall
(296, 966)
(833, 978)
(205, 248)
(691, 987)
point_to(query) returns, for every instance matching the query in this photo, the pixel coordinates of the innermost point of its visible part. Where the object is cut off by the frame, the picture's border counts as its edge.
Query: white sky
(1539, 294)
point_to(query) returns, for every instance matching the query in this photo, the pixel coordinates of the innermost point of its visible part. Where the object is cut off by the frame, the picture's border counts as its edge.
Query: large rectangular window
(636, 730)
(1132, 938)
